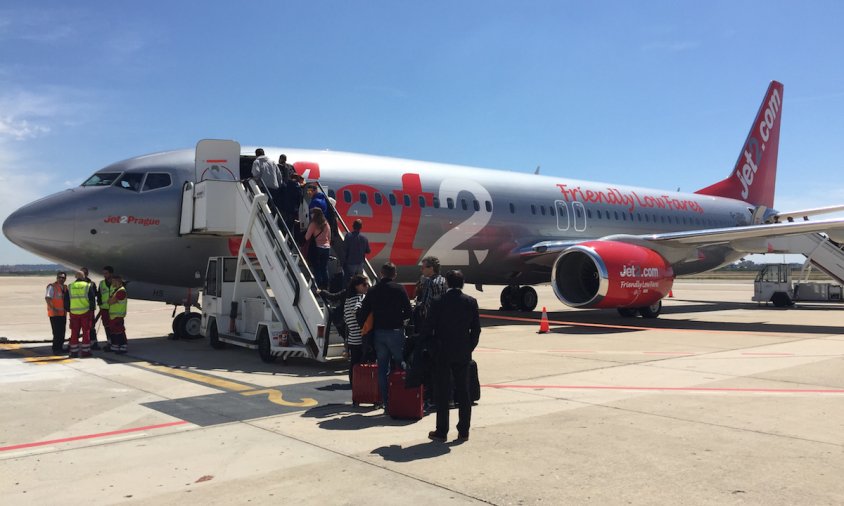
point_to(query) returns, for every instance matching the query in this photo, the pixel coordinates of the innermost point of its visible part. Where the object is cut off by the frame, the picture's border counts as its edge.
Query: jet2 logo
(634, 271)
(132, 220)
(753, 151)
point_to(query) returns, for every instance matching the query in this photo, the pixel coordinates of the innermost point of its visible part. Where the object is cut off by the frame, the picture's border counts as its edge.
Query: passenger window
(542, 210)
(532, 209)
(407, 201)
(155, 181)
(512, 208)
(421, 201)
(616, 214)
(436, 202)
(449, 202)
(578, 212)
(362, 196)
(638, 216)
(624, 216)
(476, 205)
(463, 204)
(551, 211)
(332, 194)
(589, 213)
(488, 206)
(379, 199)
(392, 198)
(347, 196)
(130, 181)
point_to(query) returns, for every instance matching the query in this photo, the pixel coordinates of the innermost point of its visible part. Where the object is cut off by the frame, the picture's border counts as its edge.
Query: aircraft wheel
(264, 346)
(191, 326)
(781, 299)
(214, 337)
(527, 298)
(507, 298)
(627, 312)
(651, 311)
(178, 324)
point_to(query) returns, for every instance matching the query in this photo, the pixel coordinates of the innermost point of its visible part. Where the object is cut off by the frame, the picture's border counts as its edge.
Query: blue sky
(657, 94)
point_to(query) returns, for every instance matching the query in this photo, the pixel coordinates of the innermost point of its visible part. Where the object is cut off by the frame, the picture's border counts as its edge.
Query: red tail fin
(754, 177)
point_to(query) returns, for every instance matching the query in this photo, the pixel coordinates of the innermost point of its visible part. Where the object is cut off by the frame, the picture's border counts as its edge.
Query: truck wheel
(264, 346)
(781, 299)
(214, 337)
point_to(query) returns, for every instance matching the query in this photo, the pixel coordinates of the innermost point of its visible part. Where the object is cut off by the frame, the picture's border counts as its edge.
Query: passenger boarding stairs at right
(270, 252)
(820, 251)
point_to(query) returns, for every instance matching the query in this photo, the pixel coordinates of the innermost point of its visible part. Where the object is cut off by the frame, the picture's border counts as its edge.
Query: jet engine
(609, 274)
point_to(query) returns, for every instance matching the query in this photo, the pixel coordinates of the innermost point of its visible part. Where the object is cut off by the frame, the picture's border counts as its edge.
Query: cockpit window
(156, 180)
(130, 181)
(101, 179)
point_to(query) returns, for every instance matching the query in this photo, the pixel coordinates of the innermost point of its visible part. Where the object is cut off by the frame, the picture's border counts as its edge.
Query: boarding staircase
(820, 251)
(268, 247)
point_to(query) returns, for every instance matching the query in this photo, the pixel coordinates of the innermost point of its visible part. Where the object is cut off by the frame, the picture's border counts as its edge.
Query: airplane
(600, 245)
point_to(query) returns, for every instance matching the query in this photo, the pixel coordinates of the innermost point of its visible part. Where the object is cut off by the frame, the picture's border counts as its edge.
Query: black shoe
(73, 354)
(463, 436)
(95, 345)
(435, 436)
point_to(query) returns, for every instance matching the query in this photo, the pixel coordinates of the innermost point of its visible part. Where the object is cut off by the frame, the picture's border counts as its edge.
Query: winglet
(754, 177)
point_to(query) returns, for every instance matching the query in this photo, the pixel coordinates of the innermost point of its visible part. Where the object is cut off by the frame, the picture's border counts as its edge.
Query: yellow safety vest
(118, 309)
(56, 307)
(106, 292)
(79, 303)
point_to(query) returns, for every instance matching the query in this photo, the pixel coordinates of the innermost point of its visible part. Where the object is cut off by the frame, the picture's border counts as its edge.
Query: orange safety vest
(56, 307)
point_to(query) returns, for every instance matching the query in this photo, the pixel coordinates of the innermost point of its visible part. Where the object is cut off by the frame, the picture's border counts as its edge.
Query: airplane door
(563, 223)
(217, 159)
(579, 216)
(186, 222)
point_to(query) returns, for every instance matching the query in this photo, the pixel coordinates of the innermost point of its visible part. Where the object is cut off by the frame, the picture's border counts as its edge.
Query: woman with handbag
(358, 286)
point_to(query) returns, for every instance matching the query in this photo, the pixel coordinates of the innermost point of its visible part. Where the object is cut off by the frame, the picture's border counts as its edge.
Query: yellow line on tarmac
(34, 358)
(195, 376)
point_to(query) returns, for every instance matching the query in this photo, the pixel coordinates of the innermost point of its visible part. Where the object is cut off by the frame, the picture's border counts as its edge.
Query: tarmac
(718, 401)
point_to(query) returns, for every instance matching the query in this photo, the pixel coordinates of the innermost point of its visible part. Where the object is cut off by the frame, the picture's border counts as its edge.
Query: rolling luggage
(365, 384)
(403, 402)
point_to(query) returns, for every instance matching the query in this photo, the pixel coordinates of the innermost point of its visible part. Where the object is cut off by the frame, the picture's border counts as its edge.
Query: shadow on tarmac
(602, 321)
(353, 417)
(421, 451)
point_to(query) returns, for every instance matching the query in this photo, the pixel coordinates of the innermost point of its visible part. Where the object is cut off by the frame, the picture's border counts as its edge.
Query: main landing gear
(651, 311)
(523, 298)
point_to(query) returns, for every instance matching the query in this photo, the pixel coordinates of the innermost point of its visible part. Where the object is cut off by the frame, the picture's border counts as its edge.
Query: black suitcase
(474, 382)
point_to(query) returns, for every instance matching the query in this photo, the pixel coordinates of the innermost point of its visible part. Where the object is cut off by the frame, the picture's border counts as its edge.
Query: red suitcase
(403, 402)
(365, 384)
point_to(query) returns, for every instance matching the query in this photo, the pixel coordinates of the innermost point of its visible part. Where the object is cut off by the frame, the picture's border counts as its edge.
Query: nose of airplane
(44, 227)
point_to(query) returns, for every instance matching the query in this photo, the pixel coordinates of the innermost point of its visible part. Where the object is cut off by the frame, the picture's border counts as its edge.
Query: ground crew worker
(117, 303)
(58, 302)
(82, 304)
(105, 292)
(94, 344)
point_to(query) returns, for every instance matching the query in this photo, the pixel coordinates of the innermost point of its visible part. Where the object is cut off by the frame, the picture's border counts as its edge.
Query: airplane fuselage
(478, 220)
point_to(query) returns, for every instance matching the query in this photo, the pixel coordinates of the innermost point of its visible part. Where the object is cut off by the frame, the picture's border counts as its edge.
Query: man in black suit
(453, 328)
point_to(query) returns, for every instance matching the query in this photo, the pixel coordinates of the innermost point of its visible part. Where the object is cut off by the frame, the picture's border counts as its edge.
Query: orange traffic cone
(543, 323)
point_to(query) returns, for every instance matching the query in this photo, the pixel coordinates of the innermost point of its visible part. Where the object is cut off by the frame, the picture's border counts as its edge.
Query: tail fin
(754, 177)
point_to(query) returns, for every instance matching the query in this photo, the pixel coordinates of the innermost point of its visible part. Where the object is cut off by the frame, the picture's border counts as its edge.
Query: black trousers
(443, 374)
(59, 325)
(355, 357)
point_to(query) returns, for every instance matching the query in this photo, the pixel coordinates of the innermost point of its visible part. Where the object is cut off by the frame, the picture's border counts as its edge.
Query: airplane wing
(804, 214)
(749, 238)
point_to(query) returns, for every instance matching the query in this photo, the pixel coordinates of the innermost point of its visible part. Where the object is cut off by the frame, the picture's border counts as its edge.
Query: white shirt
(266, 170)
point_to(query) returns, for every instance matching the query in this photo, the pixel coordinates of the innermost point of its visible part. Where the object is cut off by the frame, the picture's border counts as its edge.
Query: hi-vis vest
(118, 309)
(79, 303)
(56, 307)
(105, 293)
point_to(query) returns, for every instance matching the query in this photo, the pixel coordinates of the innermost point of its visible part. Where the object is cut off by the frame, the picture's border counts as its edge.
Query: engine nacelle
(608, 274)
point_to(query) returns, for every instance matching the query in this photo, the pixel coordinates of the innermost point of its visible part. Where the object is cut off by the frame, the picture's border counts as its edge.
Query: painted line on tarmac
(670, 389)
(205, 379)
(31, 357)
(92, 436)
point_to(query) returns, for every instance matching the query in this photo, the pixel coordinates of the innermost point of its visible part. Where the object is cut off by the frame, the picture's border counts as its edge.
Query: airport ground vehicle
(774, 284)
(264, 298)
